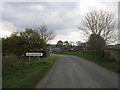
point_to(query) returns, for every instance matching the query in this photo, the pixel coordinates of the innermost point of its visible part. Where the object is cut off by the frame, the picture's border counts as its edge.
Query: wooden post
(29, 58)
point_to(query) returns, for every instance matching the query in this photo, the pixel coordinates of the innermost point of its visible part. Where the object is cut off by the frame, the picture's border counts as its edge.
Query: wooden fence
(10, 60)
(113, 54)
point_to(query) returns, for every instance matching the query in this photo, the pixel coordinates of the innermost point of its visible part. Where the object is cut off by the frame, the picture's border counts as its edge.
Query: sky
(62, 17)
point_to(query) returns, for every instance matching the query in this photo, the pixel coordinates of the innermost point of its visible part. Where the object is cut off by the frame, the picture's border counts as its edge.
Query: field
(26, 74)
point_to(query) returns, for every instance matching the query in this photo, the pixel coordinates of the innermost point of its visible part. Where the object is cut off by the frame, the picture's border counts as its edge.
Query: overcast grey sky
(62, 17)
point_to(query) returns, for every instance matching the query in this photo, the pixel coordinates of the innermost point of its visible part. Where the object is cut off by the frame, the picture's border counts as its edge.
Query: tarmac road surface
(74, 72)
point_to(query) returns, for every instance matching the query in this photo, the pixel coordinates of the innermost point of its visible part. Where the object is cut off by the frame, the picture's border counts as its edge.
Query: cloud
(38, 7)
(63, 17)
(7, 28)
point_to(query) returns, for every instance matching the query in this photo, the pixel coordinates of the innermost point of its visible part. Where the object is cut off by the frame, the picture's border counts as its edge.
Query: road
(75, 72)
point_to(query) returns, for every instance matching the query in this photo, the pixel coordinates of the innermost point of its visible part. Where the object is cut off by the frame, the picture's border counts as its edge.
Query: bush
(96, 45)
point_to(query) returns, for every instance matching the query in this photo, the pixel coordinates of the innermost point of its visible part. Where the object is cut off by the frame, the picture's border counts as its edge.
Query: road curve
(75, 72)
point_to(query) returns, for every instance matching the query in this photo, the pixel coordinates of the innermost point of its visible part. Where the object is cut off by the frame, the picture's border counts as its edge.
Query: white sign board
(34, 54)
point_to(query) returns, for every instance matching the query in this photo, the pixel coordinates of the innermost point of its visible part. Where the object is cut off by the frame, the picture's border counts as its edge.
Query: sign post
(29, 58)
(34, 54)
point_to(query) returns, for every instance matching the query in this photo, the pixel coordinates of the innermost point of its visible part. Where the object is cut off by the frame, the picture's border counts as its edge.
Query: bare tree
(101, 23)
(66, 43)
(46, 34)
(78, 43)
(60, 43)
(71, 43)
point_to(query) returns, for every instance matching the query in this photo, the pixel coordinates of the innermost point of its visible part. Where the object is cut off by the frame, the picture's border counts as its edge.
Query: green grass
(106, 63)
(115, 48)
(26, 74)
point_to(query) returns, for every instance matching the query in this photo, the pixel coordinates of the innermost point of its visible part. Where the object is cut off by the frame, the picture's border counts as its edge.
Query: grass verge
(109, 64)
(26, 74)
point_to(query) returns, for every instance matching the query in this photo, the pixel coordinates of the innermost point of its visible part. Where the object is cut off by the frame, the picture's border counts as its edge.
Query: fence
(113, 54)
(10, 60)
